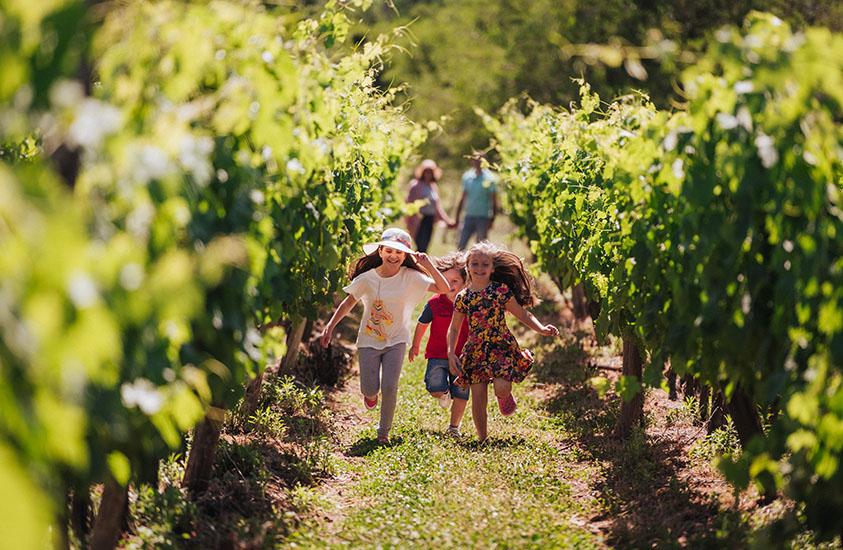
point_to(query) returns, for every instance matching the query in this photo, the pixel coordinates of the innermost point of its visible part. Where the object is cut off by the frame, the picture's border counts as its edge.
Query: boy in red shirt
(437, 314)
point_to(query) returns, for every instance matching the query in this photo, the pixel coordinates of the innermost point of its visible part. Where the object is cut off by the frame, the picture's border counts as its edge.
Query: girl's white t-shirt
(388, 303)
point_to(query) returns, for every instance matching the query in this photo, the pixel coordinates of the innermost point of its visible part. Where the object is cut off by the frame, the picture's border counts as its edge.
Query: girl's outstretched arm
(440, 284)
(421, 328)
(453, 335)
(342, 311)
(529, 319)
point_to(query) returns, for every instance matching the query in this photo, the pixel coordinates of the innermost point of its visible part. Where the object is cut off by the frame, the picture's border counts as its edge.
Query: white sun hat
(393, 238)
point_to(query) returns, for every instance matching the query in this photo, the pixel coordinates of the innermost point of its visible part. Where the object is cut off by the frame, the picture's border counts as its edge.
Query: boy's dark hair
(454, 260)
(508, 268)
(373, 260)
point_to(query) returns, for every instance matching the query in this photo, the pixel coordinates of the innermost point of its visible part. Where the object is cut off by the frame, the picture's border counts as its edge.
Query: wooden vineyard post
(206, 437)
(111, 517)
(632, 411)
(745, 416)
(580, 302)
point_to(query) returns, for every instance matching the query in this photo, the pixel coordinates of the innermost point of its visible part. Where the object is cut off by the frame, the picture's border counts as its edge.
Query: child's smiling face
(480, 267)
(391, 256)
(455, 282)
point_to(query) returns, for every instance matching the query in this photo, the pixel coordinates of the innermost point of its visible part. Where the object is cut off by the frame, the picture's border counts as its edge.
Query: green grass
(429, 490)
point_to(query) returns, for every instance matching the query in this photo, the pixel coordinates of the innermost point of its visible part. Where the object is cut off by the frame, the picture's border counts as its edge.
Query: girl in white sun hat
(390, 280)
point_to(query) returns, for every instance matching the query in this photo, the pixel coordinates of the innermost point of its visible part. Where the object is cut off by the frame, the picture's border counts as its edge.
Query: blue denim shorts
(437, 378)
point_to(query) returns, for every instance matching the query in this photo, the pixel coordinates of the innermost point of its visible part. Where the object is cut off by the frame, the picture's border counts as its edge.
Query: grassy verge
(263, 484)
(431, 490)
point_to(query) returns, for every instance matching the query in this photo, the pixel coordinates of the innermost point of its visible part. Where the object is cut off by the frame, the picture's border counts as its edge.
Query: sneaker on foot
(507, 405)
(370, 404)
(454, 431)
(383, 440)
(445, 400)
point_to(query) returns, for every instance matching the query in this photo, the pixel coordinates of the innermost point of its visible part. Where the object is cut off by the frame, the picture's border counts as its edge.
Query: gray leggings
(381, 369)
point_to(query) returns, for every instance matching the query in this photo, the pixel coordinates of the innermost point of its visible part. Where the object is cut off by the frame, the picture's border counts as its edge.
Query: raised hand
(549, 330)
(423, 259)
(325, 337)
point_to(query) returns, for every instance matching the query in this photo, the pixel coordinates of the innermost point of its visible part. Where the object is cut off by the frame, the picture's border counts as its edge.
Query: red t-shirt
(438, 312)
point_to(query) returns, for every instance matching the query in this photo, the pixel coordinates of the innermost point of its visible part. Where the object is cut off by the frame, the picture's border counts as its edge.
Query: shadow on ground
(645, 484)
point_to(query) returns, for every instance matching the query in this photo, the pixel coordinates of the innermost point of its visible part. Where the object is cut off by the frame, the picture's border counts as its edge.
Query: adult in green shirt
(479, 197)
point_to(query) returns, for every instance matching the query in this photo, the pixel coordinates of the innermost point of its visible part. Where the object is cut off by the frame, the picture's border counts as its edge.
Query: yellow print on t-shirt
(379, 318)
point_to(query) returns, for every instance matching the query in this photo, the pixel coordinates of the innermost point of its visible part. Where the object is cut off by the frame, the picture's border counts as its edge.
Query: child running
(497, 283)
(437, 314)
(390, 280)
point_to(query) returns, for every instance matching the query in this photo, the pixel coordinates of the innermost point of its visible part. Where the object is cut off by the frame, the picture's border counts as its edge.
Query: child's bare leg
(458, 411)
(479, 397)
(503, 388)
(437, 394)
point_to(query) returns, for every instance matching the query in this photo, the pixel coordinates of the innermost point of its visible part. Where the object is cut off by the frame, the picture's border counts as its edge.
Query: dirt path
(549, 477)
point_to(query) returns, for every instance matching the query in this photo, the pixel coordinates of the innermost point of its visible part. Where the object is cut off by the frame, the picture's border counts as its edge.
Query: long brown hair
(507, 268)
(454, 260)
(373, 260)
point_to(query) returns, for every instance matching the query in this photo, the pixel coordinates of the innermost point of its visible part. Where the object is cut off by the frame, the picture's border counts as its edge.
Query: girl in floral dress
(497, 283)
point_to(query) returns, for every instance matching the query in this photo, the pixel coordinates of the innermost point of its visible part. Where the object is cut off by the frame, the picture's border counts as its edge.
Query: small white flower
(726, 121)
(744, 87)
(142, 394)
(678, 168)
(182, 215)
(252, 343)
(294, 166)
(131, 276)
(766, 150)
(256, 195)
(151, 163)
(323, 145)
(194, 157)
(670, 141)
(171, 328)
(66, 93)
(788, 246)
(746, 303)
(82, 290)
(268, 56)
(93, 121)
(753, 41)
(745, 118)
(137, 222)
(723, 34)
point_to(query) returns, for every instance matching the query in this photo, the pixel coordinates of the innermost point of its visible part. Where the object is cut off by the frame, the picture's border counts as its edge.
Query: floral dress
(491, 350)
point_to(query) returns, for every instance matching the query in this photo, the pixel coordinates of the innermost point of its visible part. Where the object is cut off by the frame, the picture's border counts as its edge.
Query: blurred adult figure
(479, 197)
(424, 187)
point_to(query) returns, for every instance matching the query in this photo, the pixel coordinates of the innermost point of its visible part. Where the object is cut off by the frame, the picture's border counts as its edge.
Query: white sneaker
(454, 431)
(445, 400)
